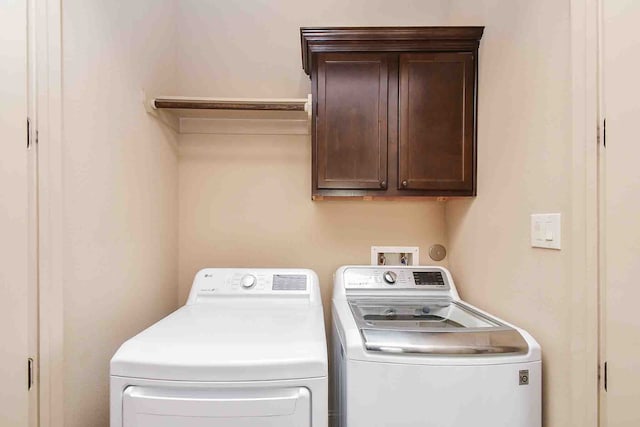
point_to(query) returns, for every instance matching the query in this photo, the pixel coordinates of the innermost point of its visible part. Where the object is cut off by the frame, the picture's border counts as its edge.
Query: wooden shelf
(283, 116)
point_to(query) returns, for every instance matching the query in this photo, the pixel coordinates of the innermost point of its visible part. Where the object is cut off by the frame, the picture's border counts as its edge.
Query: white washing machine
(408, 352)
(247, 350)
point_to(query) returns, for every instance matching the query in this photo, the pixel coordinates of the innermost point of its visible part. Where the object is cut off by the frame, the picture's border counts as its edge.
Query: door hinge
(605, 376)
(28, 132)
(601, 136)
(30, 376)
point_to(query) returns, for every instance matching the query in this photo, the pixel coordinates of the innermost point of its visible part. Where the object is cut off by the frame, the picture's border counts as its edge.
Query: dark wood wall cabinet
(394, 110)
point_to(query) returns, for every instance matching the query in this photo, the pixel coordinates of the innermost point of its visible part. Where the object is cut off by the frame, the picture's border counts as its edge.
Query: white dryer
(247, 350)
(408, 352)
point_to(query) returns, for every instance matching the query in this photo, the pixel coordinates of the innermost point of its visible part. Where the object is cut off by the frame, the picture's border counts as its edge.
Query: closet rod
(218, 104)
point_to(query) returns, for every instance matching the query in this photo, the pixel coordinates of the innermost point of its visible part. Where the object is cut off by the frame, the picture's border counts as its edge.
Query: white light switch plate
(546, 230)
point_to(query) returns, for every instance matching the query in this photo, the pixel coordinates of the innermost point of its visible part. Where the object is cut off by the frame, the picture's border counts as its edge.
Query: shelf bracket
(166, 119)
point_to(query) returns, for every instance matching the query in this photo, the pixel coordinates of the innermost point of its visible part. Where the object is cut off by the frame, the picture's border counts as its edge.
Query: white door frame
(33, 228)
(48, 31)
(584, 216)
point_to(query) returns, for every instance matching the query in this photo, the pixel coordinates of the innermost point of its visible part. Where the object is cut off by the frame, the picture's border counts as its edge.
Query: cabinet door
(436, 123)
(351, 123)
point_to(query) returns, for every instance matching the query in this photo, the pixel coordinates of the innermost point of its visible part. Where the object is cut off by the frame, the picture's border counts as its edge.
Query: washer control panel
(432, 278)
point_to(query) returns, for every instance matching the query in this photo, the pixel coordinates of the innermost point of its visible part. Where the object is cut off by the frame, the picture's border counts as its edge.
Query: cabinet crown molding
(386, 39)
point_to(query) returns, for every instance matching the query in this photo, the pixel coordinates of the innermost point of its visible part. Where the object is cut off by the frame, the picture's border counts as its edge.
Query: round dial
(390, 277)
(248, 281)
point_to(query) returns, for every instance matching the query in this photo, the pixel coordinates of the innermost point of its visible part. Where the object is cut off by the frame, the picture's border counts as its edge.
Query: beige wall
(120, 191)
(246, 200)
(524, 167)
(251, 48)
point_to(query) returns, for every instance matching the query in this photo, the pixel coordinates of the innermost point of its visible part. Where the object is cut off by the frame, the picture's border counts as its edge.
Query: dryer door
(183, 407)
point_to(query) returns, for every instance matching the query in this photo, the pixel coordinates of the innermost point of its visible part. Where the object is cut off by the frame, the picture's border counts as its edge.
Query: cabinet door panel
(351, 123)
(437, 98)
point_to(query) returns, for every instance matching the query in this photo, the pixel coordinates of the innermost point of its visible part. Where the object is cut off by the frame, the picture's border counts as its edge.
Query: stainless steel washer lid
(437, 327)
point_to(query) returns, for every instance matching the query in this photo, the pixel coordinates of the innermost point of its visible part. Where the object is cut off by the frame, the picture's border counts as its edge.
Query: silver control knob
(390, 277)
(248, 281)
